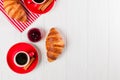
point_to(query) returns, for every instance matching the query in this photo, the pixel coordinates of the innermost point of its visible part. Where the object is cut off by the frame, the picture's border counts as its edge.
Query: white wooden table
(92, 32)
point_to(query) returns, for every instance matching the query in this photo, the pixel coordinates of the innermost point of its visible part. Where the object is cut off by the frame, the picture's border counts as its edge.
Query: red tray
(33, 7)
(22, 46)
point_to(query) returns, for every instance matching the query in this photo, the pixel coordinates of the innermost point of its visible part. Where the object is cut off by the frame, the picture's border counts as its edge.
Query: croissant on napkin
(54, 44)
(15, 10)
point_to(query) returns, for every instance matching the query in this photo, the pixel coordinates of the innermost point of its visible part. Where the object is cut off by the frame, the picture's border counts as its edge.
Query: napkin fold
(19, 25)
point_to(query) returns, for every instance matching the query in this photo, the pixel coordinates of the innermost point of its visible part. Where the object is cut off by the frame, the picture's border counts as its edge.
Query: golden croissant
(15, 10)
(54, 44)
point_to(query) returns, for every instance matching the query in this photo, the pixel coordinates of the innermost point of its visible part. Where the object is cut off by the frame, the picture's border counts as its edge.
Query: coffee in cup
(22, 58)
(39, 1)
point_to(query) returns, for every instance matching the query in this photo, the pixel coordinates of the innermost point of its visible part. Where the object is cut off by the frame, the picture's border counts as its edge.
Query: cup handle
(31, 54)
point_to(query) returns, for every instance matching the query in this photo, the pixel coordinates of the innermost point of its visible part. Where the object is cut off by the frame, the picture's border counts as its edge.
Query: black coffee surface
(21, 58)
(38, 1)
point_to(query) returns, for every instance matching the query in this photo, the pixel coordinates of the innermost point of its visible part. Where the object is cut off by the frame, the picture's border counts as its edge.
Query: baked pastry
(15, 10)
(54, 44)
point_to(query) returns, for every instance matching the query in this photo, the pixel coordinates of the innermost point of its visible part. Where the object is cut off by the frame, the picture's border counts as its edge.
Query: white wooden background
(92, 32)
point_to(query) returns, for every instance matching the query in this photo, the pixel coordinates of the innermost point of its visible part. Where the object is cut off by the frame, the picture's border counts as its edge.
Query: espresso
(38, 1)
(21, 58)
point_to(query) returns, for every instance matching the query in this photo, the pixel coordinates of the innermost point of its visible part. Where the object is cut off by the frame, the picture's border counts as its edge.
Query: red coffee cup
(22, 58)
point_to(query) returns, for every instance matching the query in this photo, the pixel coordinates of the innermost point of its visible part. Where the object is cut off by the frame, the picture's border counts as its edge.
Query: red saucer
(33, 7)
(21, 47)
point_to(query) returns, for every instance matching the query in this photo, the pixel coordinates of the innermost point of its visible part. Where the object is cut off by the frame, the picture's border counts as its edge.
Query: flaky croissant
(15, 10)
(54, 44)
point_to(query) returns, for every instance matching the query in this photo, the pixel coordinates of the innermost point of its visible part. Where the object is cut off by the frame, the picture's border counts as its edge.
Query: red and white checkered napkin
(19, 25)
